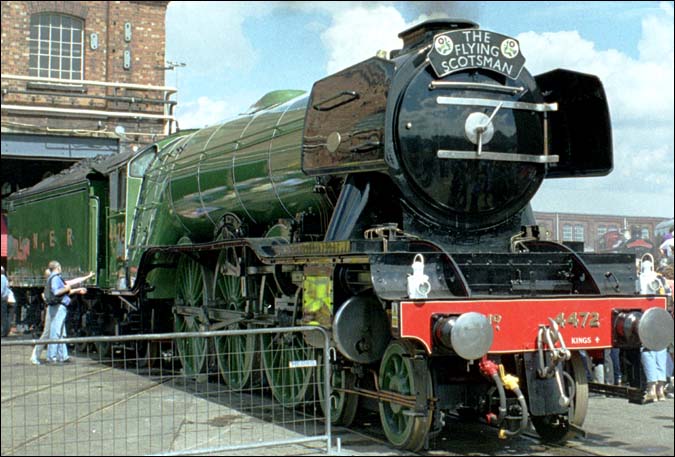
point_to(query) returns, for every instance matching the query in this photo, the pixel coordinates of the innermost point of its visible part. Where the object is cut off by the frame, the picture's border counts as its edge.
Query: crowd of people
(656, 366)
(56, 297)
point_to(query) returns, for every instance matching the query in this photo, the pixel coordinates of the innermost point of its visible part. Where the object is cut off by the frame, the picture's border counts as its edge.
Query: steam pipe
(489, 369)
(501, 379)
(523, 417)
(502, 398)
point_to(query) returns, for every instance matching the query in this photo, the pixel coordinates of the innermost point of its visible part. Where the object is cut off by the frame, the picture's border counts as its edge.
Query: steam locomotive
(389, 205)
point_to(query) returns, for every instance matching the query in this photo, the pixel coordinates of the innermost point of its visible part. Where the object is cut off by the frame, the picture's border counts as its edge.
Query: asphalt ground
(613, 427)
(90, 408)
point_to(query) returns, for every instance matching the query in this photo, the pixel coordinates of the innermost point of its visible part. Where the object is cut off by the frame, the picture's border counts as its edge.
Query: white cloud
(358, 31)
(349, 39)
(657, 36)
(640, 96)
(356, 34)
(635, 87)
(203, 112)
(212, 41)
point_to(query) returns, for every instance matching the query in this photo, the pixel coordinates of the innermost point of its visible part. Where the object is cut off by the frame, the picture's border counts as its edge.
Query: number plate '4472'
(578, 319)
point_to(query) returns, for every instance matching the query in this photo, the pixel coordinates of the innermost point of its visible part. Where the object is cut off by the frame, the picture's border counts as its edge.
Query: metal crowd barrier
(129, 395)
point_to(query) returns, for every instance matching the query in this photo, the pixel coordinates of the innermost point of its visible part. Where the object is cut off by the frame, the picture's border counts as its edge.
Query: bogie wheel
(403, 427)
(288, 384)
(236, 354)
(190, 292)
(343, 405)
(555, 428)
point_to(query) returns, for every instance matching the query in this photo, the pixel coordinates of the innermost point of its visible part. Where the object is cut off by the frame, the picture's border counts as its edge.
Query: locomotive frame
(316, 210)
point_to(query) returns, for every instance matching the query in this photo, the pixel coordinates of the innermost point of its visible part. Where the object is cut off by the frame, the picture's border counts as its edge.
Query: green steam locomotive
(391, 206)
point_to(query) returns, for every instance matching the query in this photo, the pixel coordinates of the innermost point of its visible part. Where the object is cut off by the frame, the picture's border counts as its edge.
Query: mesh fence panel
(169, 394)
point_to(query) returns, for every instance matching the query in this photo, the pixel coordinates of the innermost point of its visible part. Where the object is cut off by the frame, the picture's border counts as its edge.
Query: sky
(235, 52)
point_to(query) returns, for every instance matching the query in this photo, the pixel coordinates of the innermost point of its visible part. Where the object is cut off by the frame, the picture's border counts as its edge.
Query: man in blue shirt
(58, 310)
(35, 356)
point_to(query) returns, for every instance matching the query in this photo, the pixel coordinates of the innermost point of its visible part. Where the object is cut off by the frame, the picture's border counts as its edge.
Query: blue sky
(235, 52)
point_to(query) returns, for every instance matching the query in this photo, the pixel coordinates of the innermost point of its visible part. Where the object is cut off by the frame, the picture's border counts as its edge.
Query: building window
(56, 45)
(567, 232)
(645, 233)
(602, 229)
(578, 232)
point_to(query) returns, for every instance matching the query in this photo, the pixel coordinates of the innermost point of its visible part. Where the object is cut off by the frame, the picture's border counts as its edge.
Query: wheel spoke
(237, 357)
(288, 384)
(190, 291)
(397, 366)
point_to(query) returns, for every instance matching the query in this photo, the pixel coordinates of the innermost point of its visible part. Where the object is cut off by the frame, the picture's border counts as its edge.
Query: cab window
(118, 189)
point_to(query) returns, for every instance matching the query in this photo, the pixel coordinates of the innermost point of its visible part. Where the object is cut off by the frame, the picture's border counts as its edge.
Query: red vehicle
(628, 243)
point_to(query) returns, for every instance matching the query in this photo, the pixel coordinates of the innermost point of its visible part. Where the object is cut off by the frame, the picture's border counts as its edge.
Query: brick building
(79, 79)
(590, 228)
